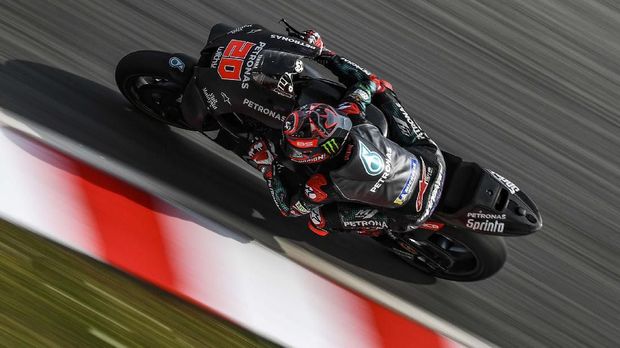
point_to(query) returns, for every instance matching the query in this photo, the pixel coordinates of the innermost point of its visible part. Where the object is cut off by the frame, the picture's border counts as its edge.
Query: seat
(462, 180)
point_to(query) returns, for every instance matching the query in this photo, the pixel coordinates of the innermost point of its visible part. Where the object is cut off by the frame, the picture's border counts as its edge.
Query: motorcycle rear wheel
(451, 254)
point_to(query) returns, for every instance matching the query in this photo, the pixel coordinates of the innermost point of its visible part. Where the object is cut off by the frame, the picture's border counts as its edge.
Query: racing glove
(382, 85)
(261, 156)
(313, 38)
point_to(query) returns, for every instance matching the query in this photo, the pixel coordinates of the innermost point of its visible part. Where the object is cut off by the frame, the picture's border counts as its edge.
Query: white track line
(11, 121)
(76, 301)
(126, 305)
(105, 337)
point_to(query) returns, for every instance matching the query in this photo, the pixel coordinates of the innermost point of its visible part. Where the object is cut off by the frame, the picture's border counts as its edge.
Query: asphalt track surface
(528, 88)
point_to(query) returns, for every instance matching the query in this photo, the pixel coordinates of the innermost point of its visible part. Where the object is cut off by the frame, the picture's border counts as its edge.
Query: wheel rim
(155, 96)
(440, 254)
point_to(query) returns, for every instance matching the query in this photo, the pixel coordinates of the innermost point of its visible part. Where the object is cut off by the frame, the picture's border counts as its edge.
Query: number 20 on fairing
(232, 59)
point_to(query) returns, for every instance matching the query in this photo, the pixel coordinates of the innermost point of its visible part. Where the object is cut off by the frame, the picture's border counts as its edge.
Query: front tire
(149, 83)
(452, 254)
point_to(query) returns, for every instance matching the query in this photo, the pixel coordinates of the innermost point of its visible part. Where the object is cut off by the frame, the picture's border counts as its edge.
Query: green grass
(51, 296)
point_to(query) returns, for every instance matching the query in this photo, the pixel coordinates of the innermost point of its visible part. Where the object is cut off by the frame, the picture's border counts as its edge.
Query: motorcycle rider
(376, 183)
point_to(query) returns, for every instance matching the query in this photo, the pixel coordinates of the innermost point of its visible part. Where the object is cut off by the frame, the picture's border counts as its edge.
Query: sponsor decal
(481, 215)
(263, 110)
(299, 66)
(300, 207)
(366, 213)
(229, 67)
(387, 170)
(415, 129)
(316, 218)
(252, 61)
(422, 185)
(254, 31)
(490, 223)
(211, 99)
(403, 126)
(330, 146)
(225, 98)
(372, 161)
(285, 86)
(176, 63)
(486, 225)
(216, 57)
(435, 193)
(355, 65)
(303, 143)
(278, 198)
(432, 226)
(360, 95)
(312, 189)
(409, 184)
(292, 40)
(366, 224)
(319, 158)
(507, 183)
(309, 192)
(238, 29)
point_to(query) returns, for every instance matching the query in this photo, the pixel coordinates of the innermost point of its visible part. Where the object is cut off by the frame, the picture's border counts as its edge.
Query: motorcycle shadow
(99, 118)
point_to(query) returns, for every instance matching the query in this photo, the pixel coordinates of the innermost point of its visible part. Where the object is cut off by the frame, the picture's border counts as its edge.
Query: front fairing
(274, 41)
(238, 60)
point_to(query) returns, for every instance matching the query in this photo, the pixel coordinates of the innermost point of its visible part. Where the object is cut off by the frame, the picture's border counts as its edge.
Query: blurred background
(527, 88)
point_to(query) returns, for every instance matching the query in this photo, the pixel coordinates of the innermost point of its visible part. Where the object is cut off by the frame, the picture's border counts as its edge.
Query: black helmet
(315, 133)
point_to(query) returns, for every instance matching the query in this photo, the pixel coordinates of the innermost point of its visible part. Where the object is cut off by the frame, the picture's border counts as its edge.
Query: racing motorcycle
(248, 79)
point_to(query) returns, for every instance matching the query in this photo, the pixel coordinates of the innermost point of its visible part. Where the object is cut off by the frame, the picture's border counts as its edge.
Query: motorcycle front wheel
(144, 78)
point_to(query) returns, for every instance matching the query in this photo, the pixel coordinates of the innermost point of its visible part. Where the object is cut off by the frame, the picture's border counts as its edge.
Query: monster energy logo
(330, 146)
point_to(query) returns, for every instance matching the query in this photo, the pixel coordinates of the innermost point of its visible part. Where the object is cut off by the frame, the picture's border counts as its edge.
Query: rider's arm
(357, 79)
(403, 129)
(315, 193)
(362, 86)
(356, 99)
(291, 200)
(348, 72)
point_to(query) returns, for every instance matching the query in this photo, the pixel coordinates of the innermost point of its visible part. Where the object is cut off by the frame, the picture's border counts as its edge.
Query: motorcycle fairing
(380, 173)
(479, 200)
(229, 66)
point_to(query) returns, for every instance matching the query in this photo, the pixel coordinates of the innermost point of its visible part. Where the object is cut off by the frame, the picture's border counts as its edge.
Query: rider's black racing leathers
(376, 182)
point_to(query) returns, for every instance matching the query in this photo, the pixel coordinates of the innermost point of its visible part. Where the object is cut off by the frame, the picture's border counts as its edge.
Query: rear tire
(475, 256)
(148, 82)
